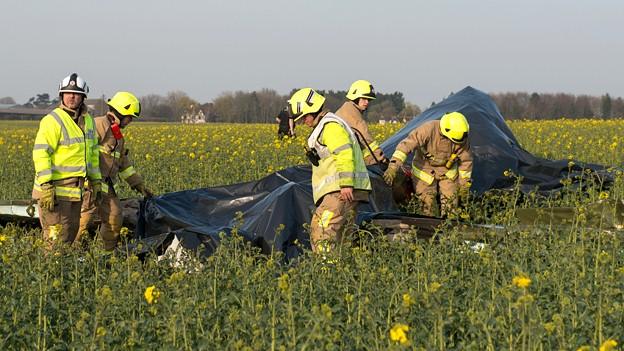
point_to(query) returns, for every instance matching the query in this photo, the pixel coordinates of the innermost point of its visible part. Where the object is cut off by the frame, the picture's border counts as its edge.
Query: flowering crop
(526, 288)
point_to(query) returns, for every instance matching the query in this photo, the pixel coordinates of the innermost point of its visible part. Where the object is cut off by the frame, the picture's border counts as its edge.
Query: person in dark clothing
(286, 124)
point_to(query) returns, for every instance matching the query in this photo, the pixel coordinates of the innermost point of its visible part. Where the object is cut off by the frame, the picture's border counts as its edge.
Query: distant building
(97, 107)
(20, 113)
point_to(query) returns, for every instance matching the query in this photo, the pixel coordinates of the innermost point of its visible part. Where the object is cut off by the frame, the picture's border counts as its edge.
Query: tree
(583, 106)
(605, 106)
(155, 106)
(7, 100)
(618, 108)
(180, 104)
(535, 103)
(41, 101)
(409, 111)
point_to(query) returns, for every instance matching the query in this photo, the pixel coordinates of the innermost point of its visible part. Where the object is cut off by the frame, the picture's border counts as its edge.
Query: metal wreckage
(271, 213)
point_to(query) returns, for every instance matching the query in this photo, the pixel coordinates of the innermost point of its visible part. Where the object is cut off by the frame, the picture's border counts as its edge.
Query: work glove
(391, 173)
(46, 200)
(30, 210)
(143, 190)
(96, 191)
(383, 163)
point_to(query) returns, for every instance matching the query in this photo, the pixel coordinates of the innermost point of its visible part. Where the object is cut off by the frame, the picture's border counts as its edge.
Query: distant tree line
(553, 106)
(264, 105)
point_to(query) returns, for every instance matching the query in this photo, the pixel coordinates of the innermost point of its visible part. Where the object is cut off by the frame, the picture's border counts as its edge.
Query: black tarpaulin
(270, 212)
(494, 146)
(284, 198)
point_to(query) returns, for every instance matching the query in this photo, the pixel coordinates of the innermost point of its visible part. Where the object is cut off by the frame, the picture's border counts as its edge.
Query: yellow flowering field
(528, 288)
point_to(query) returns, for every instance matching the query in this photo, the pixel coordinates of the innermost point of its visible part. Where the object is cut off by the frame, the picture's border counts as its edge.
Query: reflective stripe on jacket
(432, 151)
(341, 164)
(63, 150)
(351, 115)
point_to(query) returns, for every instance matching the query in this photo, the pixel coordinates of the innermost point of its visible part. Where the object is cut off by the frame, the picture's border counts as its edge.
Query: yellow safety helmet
(454, 126)
(361, 89)
(305, 101)
(126, 104)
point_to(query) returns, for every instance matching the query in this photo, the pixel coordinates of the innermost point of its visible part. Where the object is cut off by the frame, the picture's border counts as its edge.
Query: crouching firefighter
(442, 162)
(339, 176)
(114, 163)
(65, 155)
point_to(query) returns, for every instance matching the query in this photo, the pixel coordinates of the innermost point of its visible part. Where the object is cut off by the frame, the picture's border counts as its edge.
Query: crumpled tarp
(270, 212)
(495, 148)
(275, 209)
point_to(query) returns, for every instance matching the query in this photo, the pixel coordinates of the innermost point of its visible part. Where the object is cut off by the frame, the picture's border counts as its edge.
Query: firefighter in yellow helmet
(360, 94)
(65, 155)
(339, 176)
(114, 163)
(442, 161)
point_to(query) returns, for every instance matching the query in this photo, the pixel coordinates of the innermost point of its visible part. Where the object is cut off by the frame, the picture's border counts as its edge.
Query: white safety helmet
(73, 83)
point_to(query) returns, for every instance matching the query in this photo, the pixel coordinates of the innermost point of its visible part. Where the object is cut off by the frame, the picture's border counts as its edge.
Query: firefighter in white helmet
(115, 164)
(339, 176)
(442, 162)
(359, 96)
(65, 155)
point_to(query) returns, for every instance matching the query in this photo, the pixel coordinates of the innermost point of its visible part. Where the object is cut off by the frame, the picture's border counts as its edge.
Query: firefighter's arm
(414, 140)
(46, 142)
(93, 164)
(362, 127)
(127, 171)
(465, 165)
(337, 140)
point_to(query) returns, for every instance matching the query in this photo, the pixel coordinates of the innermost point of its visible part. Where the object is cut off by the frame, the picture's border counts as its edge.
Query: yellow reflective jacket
(65, 153)
(341, 164)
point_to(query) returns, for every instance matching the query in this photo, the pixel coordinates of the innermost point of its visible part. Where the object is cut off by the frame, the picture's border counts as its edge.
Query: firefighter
(65, 155)
(286, 125)
(442, 161)
(360, 94)
(114, 163)
(339, 176)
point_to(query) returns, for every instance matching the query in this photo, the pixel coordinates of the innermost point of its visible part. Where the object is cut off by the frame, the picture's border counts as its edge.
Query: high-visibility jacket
(114, 159)
(65, 153)
(353, 117)
(341, 164)
(435, 156)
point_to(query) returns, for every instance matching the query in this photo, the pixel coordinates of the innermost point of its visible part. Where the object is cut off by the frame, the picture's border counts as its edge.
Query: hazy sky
(426, 49)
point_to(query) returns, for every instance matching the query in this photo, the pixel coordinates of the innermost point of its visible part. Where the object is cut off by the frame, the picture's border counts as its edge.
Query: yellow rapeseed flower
(151, 294)
(3, 238)
(407, 300)
(603, 195)
(435, 286)
(608, 345)
(349, 298)
(282, 283)
(398, 333)
(521, 282)
(100, 332)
